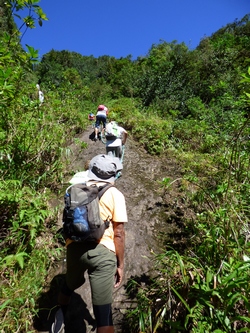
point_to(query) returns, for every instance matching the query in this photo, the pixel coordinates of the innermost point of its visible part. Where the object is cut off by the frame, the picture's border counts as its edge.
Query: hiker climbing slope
(101, 118)
(116, 137)
(103, 259)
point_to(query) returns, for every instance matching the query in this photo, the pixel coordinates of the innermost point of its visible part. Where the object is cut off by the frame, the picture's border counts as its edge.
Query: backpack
(111, 131)
(81, 215)
(91, 116)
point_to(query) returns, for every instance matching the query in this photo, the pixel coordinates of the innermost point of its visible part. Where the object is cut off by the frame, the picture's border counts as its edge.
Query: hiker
(116, 137)
(104, 260)
(40, 94)
(91, 116)
(101, 117)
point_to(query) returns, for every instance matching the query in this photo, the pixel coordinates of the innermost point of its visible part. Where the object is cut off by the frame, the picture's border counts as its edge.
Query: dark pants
(100, 119)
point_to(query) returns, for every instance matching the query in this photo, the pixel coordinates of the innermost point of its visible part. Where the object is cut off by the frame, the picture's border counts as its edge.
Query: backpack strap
(103, 189)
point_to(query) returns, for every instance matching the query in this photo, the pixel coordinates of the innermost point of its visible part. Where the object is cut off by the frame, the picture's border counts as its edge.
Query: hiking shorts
(101, 265)
(116, 151)
(100, 119)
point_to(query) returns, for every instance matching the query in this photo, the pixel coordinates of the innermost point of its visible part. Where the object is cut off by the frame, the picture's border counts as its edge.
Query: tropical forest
(190, 107)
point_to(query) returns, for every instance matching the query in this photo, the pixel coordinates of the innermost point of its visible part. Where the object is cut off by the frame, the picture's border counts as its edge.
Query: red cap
(101, 107)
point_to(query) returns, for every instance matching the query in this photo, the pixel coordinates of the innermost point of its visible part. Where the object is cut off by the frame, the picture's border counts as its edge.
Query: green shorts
(101, 265)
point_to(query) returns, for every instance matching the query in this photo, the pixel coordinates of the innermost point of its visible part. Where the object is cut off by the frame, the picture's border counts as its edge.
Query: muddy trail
(150, 211)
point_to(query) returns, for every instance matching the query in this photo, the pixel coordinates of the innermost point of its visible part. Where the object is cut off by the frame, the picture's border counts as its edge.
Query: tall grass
(205, 286)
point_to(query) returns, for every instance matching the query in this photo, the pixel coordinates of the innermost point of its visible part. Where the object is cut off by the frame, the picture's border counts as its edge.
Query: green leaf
(3, 306)
(33, 54)
(246, 258)
(182, 299)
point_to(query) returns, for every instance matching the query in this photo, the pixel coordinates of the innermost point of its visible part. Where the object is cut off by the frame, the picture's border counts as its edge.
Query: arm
(119, 240)
(124, 137)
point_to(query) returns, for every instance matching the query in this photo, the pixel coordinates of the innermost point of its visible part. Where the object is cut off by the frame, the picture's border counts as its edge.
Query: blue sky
(130, 27)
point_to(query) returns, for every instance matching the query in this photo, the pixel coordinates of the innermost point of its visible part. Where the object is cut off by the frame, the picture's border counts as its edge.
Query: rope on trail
(123, 151)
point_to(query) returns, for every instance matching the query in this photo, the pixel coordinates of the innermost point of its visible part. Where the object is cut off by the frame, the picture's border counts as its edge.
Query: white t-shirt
(102, 112)
(118, 141)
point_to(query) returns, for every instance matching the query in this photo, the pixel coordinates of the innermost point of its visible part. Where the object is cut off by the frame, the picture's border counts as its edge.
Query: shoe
(58, 324)
(95, 139)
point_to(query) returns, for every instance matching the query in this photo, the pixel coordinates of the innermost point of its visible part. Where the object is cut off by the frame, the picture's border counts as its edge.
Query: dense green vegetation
(193, 105)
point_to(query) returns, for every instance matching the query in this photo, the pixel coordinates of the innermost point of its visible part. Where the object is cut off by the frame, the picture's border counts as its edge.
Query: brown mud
(150, 209)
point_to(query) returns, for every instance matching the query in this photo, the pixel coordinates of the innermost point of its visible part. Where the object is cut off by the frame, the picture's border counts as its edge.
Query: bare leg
(96, 132)
(105, 329)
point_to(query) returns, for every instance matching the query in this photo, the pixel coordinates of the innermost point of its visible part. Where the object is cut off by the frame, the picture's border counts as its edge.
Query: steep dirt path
(148, 208)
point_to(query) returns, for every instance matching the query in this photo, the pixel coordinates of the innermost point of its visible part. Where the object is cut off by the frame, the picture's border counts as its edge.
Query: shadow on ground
(78, 321)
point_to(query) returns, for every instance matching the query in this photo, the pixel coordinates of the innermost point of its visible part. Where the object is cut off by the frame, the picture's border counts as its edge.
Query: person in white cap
(104, 261)
(116, 137)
